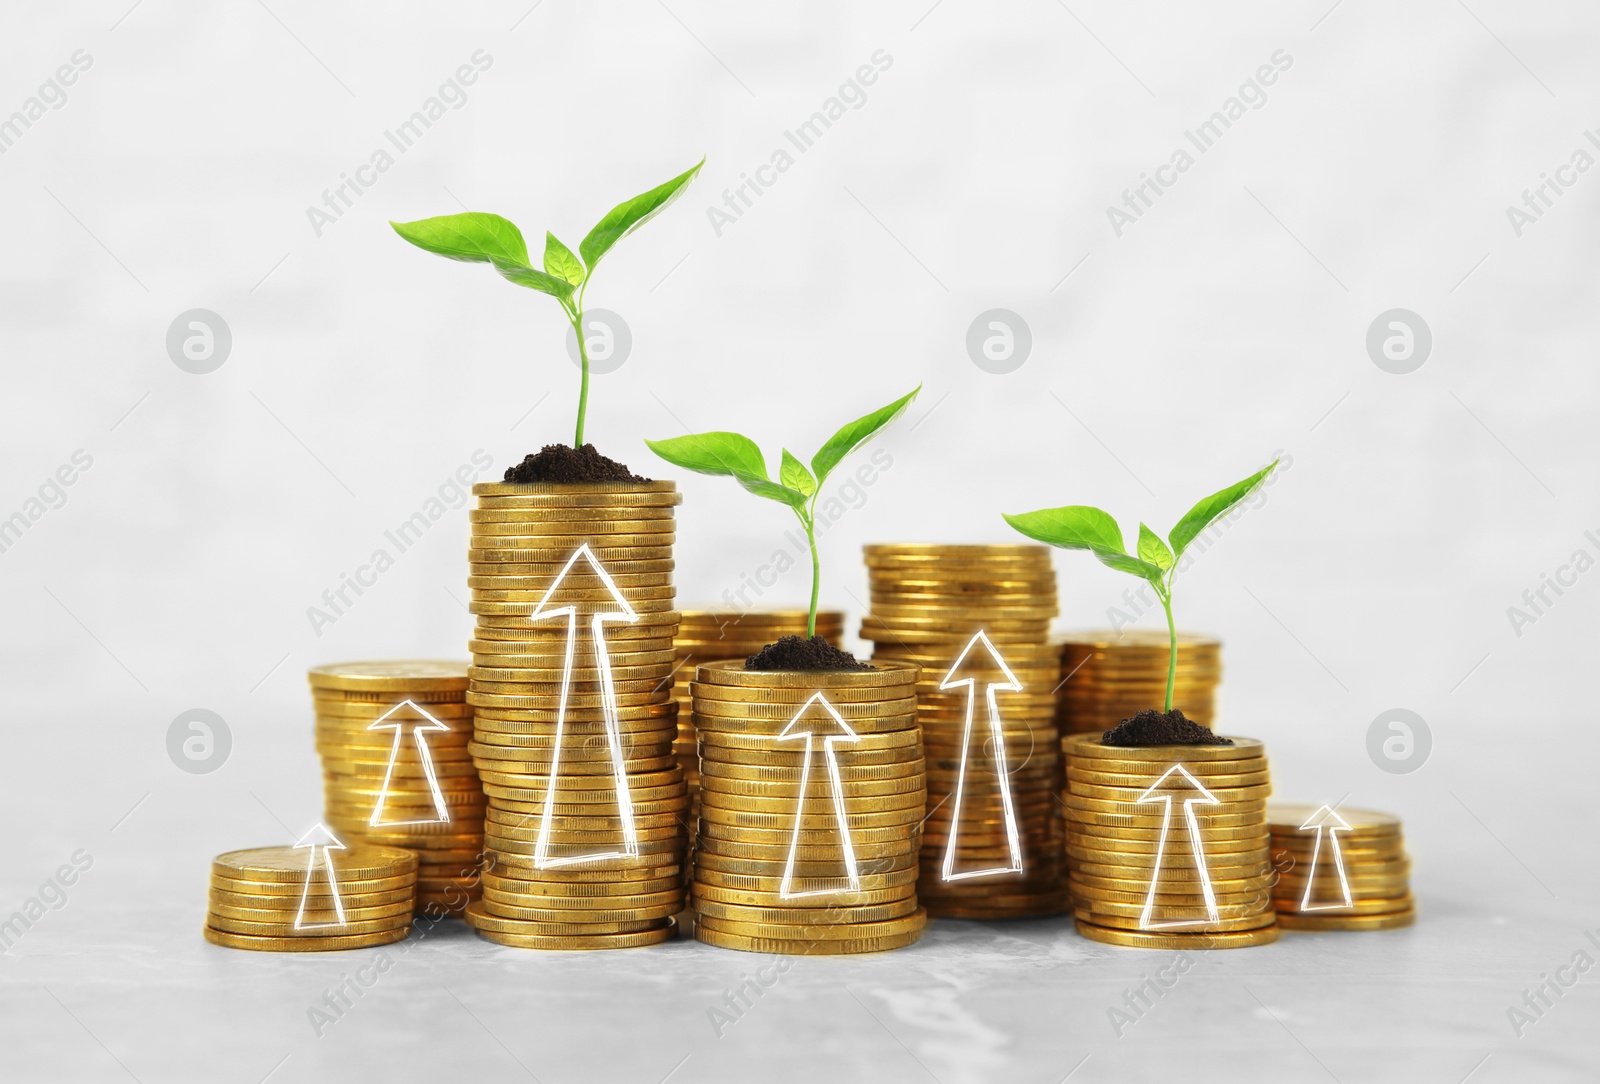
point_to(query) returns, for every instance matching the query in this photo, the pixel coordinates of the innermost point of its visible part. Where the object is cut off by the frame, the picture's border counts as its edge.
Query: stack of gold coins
(714, 635)
(1339, 869)
(811, 792)
(1108, 676)
(396, 769)
(572, 693)
(1141, 876)
(975, 618)
(318, 895)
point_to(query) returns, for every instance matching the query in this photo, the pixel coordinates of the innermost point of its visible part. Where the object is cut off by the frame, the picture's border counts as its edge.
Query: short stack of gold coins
(771, 871)
(1139, 877)
(321, 895)
(928, 604)
(582, 555)
(1339, 869)
(1108, 676)
(432, 806)
(714, 635)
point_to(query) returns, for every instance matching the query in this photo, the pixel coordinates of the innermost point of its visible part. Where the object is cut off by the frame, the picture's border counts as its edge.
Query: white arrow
(608, 699)
(322, 844)
(1195, 845)
(997, 738)
(791, 733)
(1326, 818)
(441, 811)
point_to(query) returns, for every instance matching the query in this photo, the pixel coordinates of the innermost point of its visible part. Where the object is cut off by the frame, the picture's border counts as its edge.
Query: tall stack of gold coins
(396, 769)
(572, 694)
(811, 791)
(1107, 677)
(1339, 869)
(1141, 876)
(714, 635)
(991, 847)
(319, 895)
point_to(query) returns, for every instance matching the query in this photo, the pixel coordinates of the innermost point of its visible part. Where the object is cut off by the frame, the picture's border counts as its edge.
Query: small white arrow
(792, 733)
(441, 811)
(322, 843)
(997, 738)
(1196, 846)
(1325, 818)
(608, 699)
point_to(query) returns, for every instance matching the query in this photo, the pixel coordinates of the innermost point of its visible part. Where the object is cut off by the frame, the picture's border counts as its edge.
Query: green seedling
(739, 458)
(1080, 527)
(484, 238)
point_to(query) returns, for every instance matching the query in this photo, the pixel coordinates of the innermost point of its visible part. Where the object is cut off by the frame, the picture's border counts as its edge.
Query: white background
(1224, 326)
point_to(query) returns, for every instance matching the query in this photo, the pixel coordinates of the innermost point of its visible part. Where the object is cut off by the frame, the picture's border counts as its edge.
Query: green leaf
(1206, 512)
(560, 262)
(560, 289)
(1080, 527)
(628, 216)
(1152, 549)
(730, 455)
(793, 474)
(475, 237)
(856, 434)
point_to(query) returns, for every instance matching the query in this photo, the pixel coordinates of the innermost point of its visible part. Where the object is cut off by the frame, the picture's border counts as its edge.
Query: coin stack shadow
(1139, 877)
(928, 603)
(784, 754)
(586, 828)
(1311, 845)
(359, 764)
(282, 899)
(717, 635)
(1108, 676)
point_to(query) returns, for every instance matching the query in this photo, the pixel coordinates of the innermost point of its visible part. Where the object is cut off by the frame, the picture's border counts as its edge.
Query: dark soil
(564, 463)
(798, 653)
(1151, 727)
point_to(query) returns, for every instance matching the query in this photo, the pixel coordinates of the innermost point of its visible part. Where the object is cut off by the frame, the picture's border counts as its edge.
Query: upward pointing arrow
(598, 613)
(1161, 791)
(321, 843)
(1326, 819)
(827, 719)
(418, 730)
(984, 661)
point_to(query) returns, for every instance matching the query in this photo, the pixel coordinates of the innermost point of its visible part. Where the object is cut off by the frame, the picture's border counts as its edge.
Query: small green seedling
(1080, 527)
(739, 458)
(483, 238)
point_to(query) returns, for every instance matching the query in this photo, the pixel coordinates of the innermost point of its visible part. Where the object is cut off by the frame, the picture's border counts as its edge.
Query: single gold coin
(1317, 921)
(830, 683)
(801, 916)
(1266, 935)
(1088, 746)
(777, 946)
(228, 939)
(829, 930)
(1255, 808)
(355, 861)
(1332, 904)
(609, 550)
(1094, 913)
(288, 929)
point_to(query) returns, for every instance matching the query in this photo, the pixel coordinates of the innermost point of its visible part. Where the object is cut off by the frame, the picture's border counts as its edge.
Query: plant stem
(1172, 657)
(816, 579)
(583, 390)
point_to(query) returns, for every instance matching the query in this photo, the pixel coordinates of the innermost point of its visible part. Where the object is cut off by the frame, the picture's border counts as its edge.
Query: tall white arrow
(418, 730)
(1325, 819)
(997, 739)
(793, 732)
(322, 843)
(549, 608)
(1196, 846)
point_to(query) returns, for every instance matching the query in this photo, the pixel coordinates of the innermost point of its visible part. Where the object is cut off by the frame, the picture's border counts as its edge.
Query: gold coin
(389, 675)
(829, 930)
(800, 916)
(1392, 921)
(1088, 747)
(1266, 935)
(603, 494)
(1204, 771)
(848, 773)
(1287, 817)
(798, 695)
(713, 784)
(556, 513)
(828, 836)
(1112, 834)
(355, 862)
(573, 943)
(831, 869)
(759, 747)
(1123, 780)
(1072, 812)
(773, 946)
(546, 707)
(627, 912)
(829, 682)
(873, 882)
(1091, 897)
(870, 805)
(228, 939)
(768, 897)
(287, 929)
(596, 890)
(779, 852)
(608, 550)
(566, 489)
(1203, 925)
(1255, 810)
(311, 916)
(1368, 906)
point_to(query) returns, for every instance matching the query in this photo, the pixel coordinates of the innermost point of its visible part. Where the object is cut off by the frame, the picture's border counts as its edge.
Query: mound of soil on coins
(1151, 727)
(564, 463)
(798, 653)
